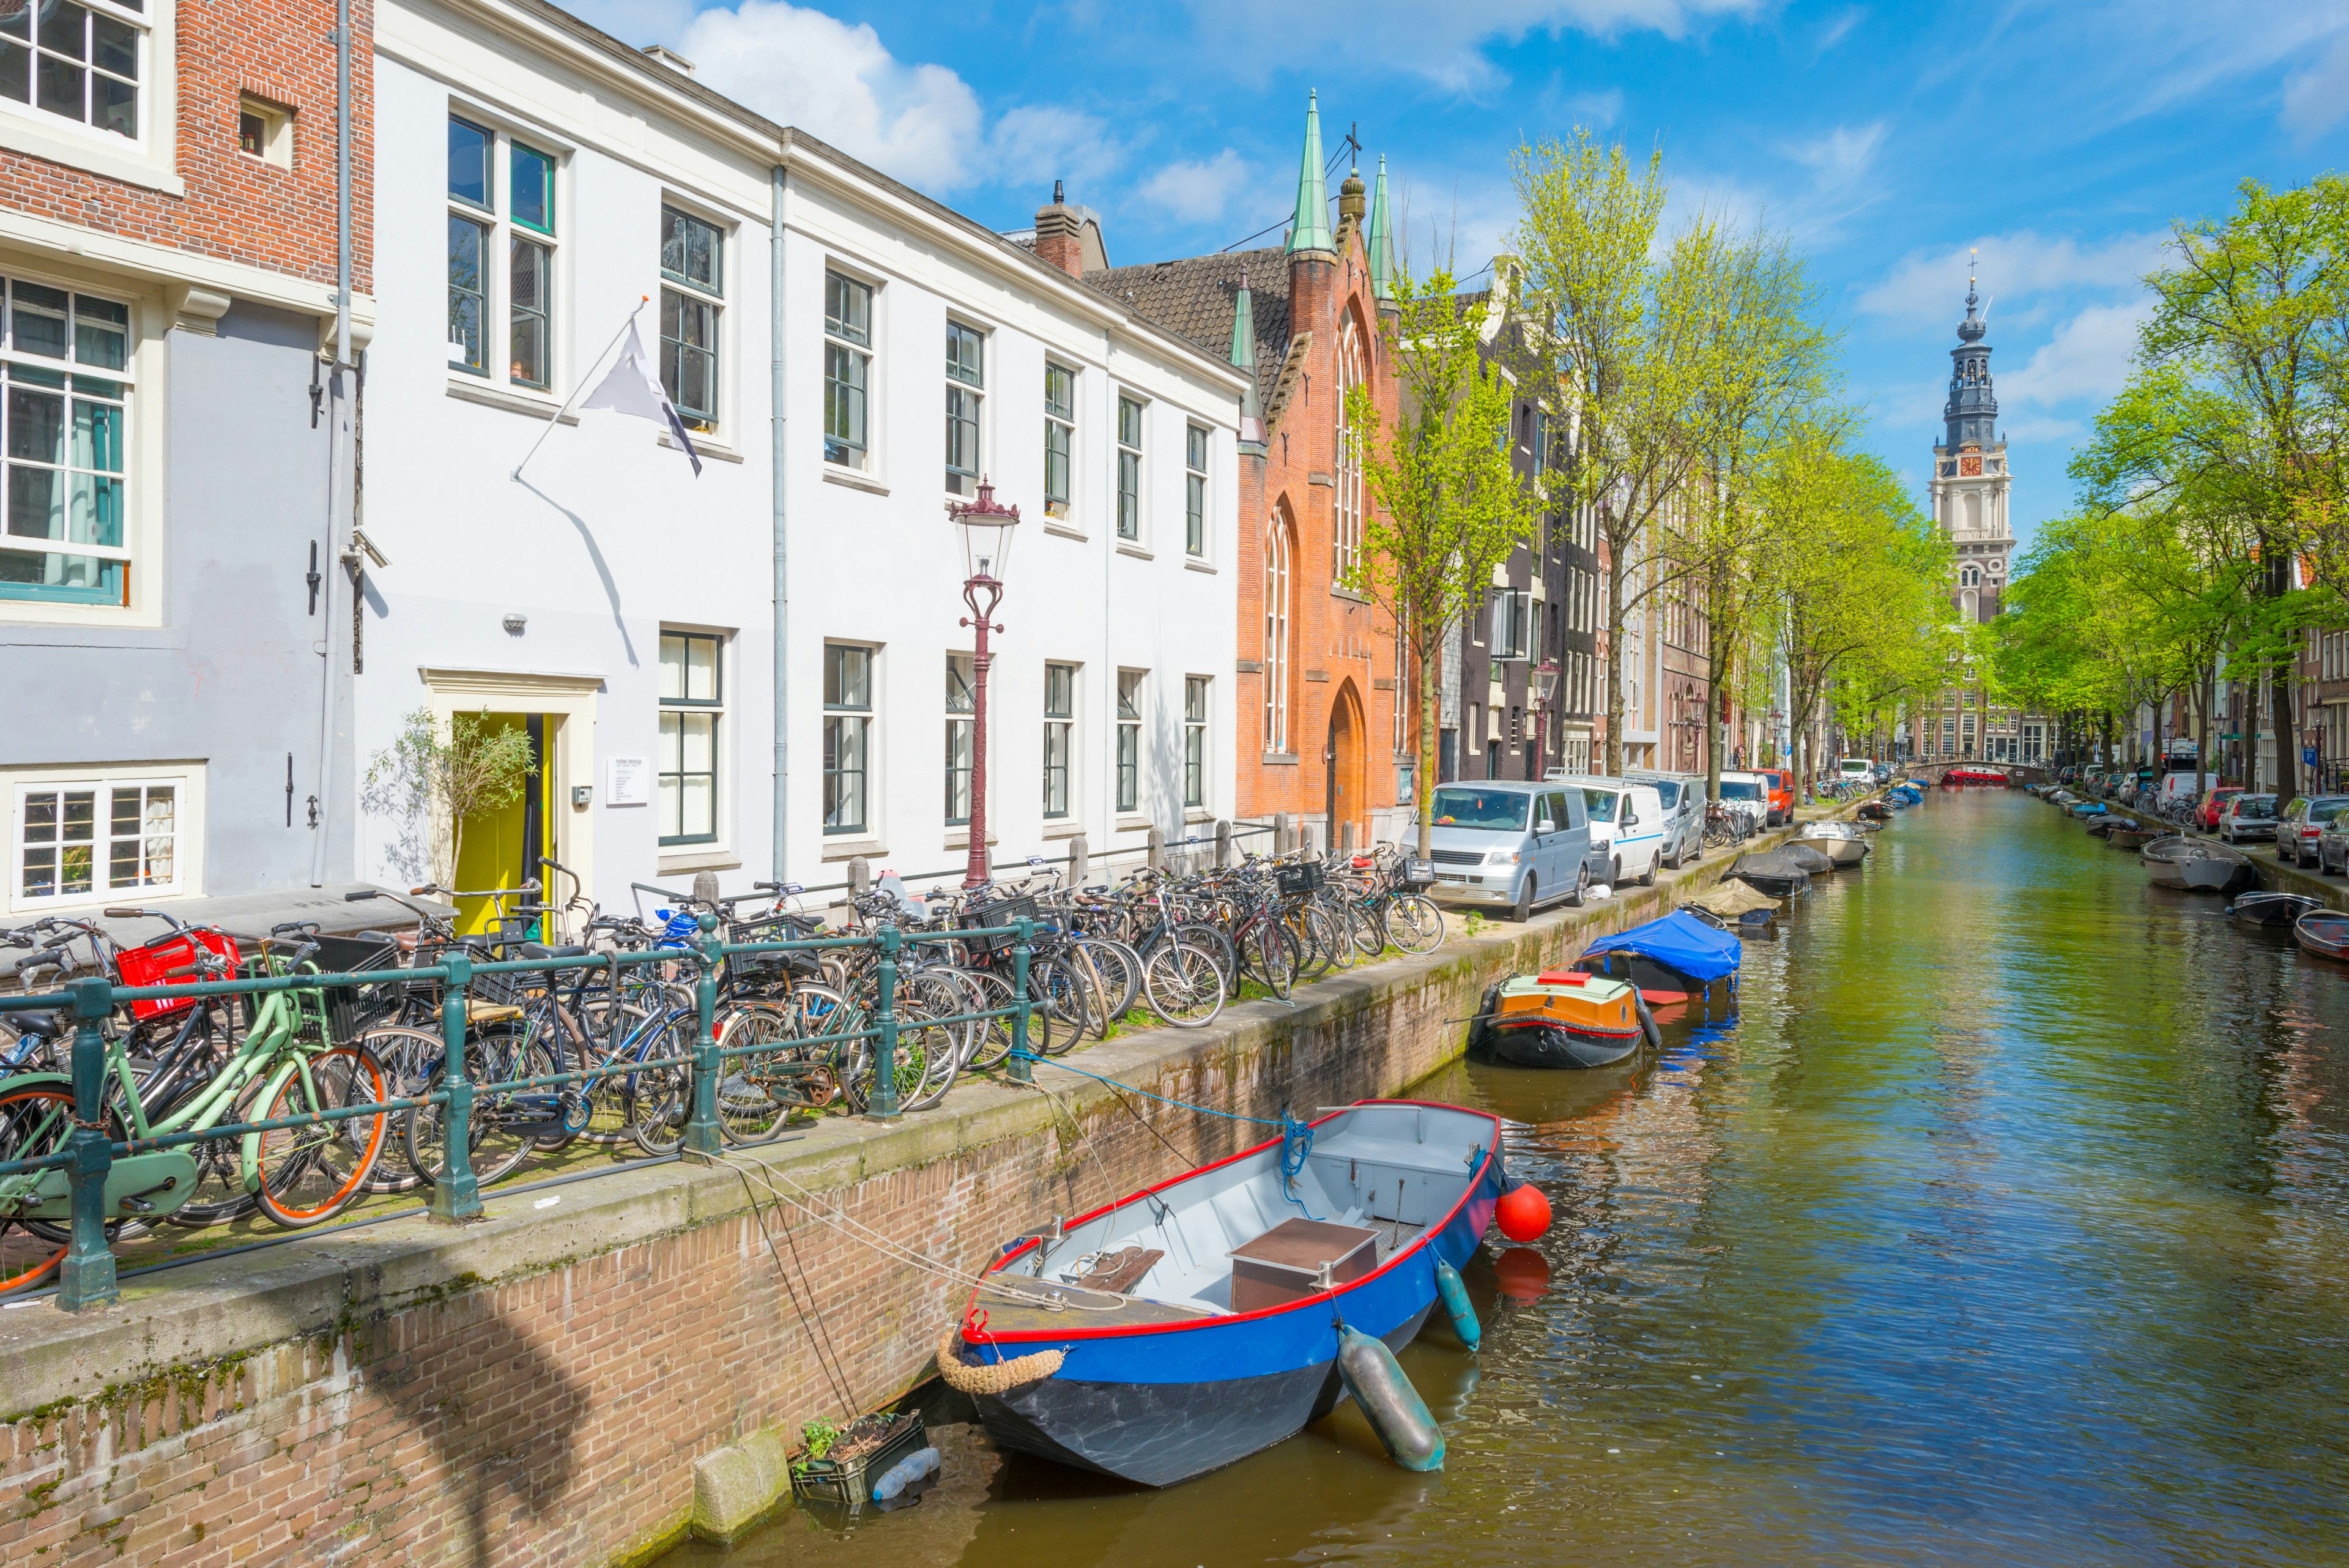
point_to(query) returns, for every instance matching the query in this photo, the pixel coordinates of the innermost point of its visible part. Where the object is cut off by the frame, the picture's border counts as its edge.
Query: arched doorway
(1343, 795)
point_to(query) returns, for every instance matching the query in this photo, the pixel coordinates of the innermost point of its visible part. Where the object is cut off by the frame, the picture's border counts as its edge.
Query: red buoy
(1523, 1213)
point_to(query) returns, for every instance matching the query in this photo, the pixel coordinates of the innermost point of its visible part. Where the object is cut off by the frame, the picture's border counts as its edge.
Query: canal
(2005, 1224)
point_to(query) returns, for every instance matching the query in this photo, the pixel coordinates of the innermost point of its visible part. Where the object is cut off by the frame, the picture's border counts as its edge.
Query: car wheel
(1615, 872)
(1524, 908)
(1581, 888)
(1648, 880)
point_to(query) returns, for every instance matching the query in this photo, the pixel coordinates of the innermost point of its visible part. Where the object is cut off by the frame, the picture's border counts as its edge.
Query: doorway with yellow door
(503, 844)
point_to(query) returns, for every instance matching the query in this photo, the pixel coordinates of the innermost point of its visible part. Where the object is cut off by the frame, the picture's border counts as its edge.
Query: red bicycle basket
(147, 965)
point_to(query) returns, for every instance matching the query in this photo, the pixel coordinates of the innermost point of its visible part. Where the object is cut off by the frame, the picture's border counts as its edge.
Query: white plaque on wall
(628, 781)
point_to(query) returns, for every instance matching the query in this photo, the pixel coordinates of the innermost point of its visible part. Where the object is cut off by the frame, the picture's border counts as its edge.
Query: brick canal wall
(534, 1388)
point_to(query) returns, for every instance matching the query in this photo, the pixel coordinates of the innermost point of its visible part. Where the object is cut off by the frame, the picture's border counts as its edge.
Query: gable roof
(1193, 296)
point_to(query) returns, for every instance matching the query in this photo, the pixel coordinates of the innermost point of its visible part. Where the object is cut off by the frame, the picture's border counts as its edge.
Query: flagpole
(579, 384)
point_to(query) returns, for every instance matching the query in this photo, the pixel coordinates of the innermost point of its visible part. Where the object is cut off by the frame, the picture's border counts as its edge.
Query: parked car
(1683, 796)
(2213, 802)
(2332, 845)
(2247, 816)
(1627, 828)
(2302, 824)
(1781, 784)
(1518, 844)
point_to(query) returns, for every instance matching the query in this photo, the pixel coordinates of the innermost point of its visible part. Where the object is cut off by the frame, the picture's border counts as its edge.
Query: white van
(2186, 787)
(1627, 825)
(1857, 770)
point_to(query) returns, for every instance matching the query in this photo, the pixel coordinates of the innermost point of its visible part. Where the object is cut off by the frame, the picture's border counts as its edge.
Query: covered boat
(1564, 1018)
(1677, 959)
(2324, 932)
(1809, 857)
(1195, 1322)
(1772, 872)
(2271, 908)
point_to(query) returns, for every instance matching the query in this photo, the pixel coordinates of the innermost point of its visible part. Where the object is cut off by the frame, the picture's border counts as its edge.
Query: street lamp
(986, 530)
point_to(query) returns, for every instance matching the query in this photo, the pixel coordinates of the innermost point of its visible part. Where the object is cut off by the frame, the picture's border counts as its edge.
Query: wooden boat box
(1567, 998)
(1285, 1263)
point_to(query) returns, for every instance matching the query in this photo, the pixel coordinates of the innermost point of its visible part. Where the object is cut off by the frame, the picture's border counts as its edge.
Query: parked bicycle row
(290, 1076)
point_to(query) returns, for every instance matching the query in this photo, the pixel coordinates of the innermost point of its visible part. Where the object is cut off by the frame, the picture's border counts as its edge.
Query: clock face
(1970, 464)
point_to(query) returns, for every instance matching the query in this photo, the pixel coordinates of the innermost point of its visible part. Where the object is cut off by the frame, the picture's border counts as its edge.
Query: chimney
(1060, 240)
(668, 57)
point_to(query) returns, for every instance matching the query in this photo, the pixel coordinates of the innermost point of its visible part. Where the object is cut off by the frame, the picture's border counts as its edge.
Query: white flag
(631, 386)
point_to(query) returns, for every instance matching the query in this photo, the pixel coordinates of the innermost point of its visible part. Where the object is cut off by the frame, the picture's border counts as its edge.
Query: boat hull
(1844, 853)
(2212, 874)
(2271, 908)
(2324, 934)
(1547, 1045)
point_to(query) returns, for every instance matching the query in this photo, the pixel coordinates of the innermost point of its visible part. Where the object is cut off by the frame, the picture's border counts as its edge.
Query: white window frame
(1199, 705)
(962, 389)
(137, 551)
(1198, 490)
(1064, 508)
(1060, 723)
(188, 829)
(867, 460)
(961, 724)
(503, 231)
(1277, 572)
(869, 715)
(276, 119)
(147, 160)
(1140, 522)
(683, 705)
(711, 421)
(1346, 535)
(1126, 758)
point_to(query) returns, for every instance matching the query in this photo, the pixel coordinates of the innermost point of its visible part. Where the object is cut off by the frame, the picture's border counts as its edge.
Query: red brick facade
(237, 208)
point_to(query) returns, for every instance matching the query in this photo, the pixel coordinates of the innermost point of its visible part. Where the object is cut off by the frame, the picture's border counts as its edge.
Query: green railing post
(883, 1107)
(456, 1194)
(1021, 1072)
(87, 1277)
(701, 1130)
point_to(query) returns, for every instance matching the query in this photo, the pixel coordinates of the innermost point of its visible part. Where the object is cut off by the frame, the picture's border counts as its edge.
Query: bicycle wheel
(665, 1090)
(36, 1122)
(752, 1100)
(1119, 968)
(1063, 1003)
(1414, 924)
(1368, 930)
(992, 1047)
(221, 1194)
(310, 1174)
(406, 1057)
(493, 1148)
(1272, 956)
(928, 1056)
(1182, 984)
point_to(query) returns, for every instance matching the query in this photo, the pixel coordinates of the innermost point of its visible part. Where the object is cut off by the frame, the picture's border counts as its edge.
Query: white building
(688, 651)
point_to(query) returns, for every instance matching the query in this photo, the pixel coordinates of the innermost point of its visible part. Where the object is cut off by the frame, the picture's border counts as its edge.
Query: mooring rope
(827, 1354)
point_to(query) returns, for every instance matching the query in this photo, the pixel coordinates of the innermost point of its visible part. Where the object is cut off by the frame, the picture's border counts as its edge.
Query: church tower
(1970, 473)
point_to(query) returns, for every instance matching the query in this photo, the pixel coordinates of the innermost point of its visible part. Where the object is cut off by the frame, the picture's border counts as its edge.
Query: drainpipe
(779, 444)
(342, 358)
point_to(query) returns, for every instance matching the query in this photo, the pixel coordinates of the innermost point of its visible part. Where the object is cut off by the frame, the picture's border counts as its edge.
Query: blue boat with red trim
(1194, 1322)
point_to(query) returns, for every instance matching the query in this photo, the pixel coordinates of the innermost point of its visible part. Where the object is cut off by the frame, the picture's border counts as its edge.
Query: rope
(819, 1337)
(1001, 1377)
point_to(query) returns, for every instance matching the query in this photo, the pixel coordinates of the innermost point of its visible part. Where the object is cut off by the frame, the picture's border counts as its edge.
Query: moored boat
(2160, 856)
(1841, 843)
(2206, 866)
(1565, 1018)
(1810, 856)
(2100, 825)
(1679, 958)
(2324, 932)
(2123, 837)
(1193, 1323)
(1772, 873)
(2271, 908)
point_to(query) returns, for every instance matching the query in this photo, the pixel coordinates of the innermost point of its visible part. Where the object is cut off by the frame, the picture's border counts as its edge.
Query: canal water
(2005, 1225)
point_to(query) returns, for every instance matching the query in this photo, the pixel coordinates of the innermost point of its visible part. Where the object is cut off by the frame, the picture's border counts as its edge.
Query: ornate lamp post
(986, 530)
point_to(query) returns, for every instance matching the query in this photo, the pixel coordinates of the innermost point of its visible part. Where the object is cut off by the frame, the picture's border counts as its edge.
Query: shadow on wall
(603, 570)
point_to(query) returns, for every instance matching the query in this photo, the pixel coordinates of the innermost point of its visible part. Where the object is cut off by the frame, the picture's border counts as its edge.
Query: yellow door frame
(570, 749)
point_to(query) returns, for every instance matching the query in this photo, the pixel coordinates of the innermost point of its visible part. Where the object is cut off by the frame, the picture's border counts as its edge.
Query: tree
(433, 783)
(1450, 507)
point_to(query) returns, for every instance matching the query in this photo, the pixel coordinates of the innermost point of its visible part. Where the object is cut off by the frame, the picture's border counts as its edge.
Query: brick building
(178, 206)
(1323, 735)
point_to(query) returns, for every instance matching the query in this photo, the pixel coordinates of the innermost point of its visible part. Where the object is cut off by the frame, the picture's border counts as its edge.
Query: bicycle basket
(1418, 873)
(348, 1006)
(1302, 877)
(147, 963)
(1003, 913)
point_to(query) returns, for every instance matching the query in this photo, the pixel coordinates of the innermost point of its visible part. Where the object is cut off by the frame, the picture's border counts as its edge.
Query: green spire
(1381, 238)
(1244, 357)
(1309, 230)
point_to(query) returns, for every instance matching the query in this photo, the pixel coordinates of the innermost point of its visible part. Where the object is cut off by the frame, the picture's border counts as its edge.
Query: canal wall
(537, 1386)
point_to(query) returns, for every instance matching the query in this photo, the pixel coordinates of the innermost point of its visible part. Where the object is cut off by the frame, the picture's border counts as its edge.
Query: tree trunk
(2202, 700)
(2287, 734)
(1424, 786)
(1614, 768)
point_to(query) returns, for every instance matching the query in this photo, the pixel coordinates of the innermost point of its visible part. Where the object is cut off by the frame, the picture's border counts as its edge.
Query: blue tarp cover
(1680, 939)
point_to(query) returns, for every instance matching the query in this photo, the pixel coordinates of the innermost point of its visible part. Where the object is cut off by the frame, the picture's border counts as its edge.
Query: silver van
(1510, 842)
(1683, 800)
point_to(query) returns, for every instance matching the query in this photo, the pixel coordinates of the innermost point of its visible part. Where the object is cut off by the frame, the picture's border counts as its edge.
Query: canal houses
(189, 273)
(734, 642)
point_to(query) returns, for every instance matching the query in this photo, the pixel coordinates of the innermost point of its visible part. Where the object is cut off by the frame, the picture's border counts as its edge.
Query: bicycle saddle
(541, 950)
(44, 1024)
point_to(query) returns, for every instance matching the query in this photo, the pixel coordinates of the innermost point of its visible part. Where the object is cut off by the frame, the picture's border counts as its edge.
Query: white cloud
(2088, 357)
(1838, 29)
(1842, 157)
(798, 66)
(1038, 143)
(2316, 99)
(2016, 267)
(1596, 110)
(1194, 190)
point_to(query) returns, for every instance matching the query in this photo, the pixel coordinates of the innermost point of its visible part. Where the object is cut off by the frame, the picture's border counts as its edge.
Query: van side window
(1569, 810)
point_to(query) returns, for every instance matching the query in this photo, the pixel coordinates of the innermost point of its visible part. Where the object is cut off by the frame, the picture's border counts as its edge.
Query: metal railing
(87, 1273)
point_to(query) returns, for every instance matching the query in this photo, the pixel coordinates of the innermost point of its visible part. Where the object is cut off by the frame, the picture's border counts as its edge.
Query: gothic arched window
(1347, 540)
(1276, 634)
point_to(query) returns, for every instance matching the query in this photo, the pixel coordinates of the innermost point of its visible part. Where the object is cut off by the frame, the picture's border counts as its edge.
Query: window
(84, 64)
(1195, 740)
(692, 699)
(847, 367)
(1129, 739)
(693, 259)
(94, 838)
(965, 391)
(1513, 620)
(265, 130)
(1059, 437)
(1347, 540)
(961, 719)
(1129, 469)
(1059, 726)
(847, 735)
(1276, 636)
(62, 430)
(1195, 491)
(478, 227)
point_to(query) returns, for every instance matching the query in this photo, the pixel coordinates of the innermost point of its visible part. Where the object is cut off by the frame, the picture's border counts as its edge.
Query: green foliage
(432, 783)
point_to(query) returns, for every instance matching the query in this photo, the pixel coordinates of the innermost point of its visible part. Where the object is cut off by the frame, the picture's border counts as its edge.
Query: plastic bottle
(904, 1473)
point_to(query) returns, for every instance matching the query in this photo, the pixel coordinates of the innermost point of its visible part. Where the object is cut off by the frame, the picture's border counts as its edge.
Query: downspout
(318, 828)
(776, 427)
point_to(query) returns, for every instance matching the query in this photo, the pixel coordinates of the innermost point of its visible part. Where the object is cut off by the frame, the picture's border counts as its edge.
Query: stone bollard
(1223, 842)
(1081, 861)
(1154, 849)
(705, 886)
(736, 1487)
(1284, 833)
(860, 874)
(1346, 837)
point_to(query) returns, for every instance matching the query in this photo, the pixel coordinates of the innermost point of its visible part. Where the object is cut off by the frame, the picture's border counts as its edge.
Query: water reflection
(2004, 1224)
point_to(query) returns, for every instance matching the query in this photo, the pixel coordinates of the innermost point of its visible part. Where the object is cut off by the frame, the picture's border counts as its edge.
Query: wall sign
(627, 781)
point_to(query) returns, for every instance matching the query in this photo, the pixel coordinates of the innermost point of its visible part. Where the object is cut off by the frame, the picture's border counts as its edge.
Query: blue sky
(2061, 138)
